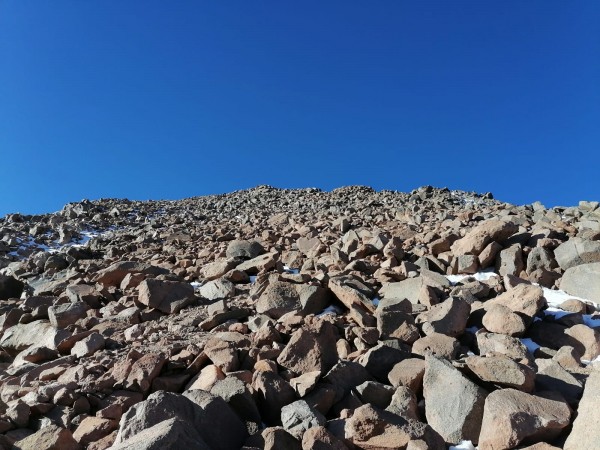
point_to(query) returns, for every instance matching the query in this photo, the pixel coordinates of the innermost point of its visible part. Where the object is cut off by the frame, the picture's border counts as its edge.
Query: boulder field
(301, 319)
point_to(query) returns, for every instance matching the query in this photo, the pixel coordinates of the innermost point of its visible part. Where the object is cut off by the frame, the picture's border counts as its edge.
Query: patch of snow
(531, 346)
(472, 330)
(593, 361)
(556, 297)
(375, 301)
(463, 445)
(252, 278)
(484, 275)
(331, 309)
(196, 284)
(292, 271)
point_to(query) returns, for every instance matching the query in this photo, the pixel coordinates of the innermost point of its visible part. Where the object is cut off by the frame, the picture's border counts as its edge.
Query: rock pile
(301, 319)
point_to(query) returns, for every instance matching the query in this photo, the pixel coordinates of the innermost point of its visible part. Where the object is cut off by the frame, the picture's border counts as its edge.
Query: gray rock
(217, 289)
(584, 436)
(297, 417)
(449, 317)
(583, 281)
(207, 414)
(169, 434)
(244, 249)
(453, 403)
(66, 314)
(577, 251)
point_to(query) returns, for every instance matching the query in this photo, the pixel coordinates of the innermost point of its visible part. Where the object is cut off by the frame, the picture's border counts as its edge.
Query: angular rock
(479, 237)
(114, 274)
(310, 349)
(10, 287)
(511, 417)
(166, 296)
(577, 251)
(449, 317)
(297, 417)
(500, 369)
(583, 281)
(583, 436)
(66, 314)
(50, 437)
(244, 249)
(453, 403)
(168, 434)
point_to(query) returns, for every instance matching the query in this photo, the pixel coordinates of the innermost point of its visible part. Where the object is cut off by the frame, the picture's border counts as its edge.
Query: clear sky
(153, 99)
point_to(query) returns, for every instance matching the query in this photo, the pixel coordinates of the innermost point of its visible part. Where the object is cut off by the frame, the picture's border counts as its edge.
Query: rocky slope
(288, 319)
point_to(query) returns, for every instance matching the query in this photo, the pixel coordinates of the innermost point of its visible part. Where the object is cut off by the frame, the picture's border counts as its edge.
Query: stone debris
(301, 319)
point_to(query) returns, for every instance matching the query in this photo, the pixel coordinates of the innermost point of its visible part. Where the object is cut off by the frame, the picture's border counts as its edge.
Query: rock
(238, 397)
(510, 261)
(492, 343)
(577, 251)
(585, 340)
(218, 268)
(244, 249)
(84, 293)
(583, 436)
(524, 299)
(380, 359)
(88, 346)
(282, 297)
(310, 349)
(297, 417)
(10, 287)
(453, 403)
(500, 369)
(409, 373)
(449, 317)
(143, 371)
(483, 234)
(204, 413)
(438, 345)
(23, 335)
(540, 258)
(411, 288)
(319, 438)
(114, 274)
(262, 263)
(276, 438)
(500, 319)
(167, 434)
(377, 394)
(92, 429)
(217, 289)
(551, 376)
(346, 376)
(583, 281)
(50, 437)
(66, 314)
(511, 417)
(223, 354)
(273, 393)
(166, 296)
(352, 292)
(404, 404)
(370, 428)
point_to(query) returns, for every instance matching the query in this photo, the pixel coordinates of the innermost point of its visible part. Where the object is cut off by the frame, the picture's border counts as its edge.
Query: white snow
(531, 346)
(331, 309)
(196, 284)
(479, 276)
(556, 297)
(463, 445)
(375, 301)
(252, 278)
(594, 361)
(292, 271)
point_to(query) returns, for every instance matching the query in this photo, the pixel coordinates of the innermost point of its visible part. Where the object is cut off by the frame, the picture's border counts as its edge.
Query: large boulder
(483, 234)
(169, 434)
(449, 317)
(585, 435)
(245, 249)
(114, 274)
(166, 296)
(312, 348)
(23, 335)
(207, 414)
(577, 251)
(583, 281)
(511, 417)
(453, 403)
(281, 297)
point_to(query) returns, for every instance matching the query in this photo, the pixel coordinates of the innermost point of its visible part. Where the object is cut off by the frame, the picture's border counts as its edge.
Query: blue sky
(152, 99)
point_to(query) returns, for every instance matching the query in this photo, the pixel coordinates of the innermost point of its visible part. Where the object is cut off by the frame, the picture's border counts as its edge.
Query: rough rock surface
(274, 318)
